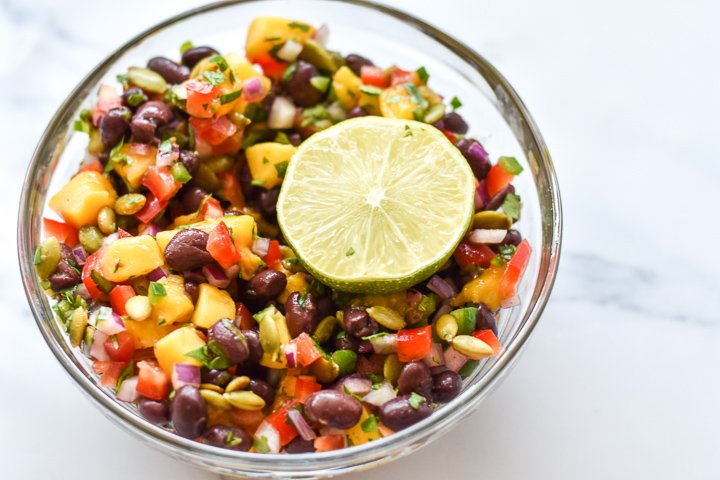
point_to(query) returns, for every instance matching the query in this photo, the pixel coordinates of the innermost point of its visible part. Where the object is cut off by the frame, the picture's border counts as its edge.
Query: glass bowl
(491, 107)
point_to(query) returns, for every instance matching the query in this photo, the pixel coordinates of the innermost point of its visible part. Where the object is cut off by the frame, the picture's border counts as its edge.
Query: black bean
(356, 62)
(295, 138)
(267, 201)
(114, 126)
(230, 437)
(446, 386)
(254, 346)
(266, 285)
(326, 307)
(357, 112)
(133, 96)
(333, 408)
(192, 56)
(157, 413)
(190, 160)
(230, 340)
(455, 123)
(246, 178)
(192, 198)
(193, 290)
(263, 389)
(217, 377)
(485, 319)
(476, 156)
(148, 117)
(172, 72)
(346, 342)
(398, 413)
(186, 250)
(512, 237)
(499, 198)
(300, 313)
(365, 347)
(298, 86)
(188, 412)
(194, 276)
(358, 322)
(64, 277)
(415, 377)
(300, 445)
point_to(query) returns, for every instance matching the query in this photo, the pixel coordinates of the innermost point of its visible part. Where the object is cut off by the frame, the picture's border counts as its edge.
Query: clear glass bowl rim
(337, 461)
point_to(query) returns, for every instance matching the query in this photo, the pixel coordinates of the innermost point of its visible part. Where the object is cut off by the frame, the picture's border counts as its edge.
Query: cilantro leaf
(422, 74)
(156, 292)
(220, 62)
(214, 78)
(187, 45)
(261, 444)
(370, 424)
(230, 97)
(455, 103)
(415, 400)
(511, 206)
(281, 168)
(126, 372)
(300, 26)
(350, 252)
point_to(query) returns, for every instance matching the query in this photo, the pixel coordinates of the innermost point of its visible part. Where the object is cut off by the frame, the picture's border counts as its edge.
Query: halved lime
(375, 205)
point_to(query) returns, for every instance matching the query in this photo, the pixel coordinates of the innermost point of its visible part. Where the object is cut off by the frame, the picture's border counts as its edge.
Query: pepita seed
(325, 329)
(471, 347)
(492, 220)
(106, 220)
(245, 400)
(324, 370)
(269, 336)
(90, 238)
(211, 386)
(392, 368)
(237, 383)
(130, 203)
(215, 399)
(78, 322)
(219, 164)
(138, 308)
(147, 79)
(434, 113)
(317, 55)
(446, 327)
(387, 317)
(47, 257)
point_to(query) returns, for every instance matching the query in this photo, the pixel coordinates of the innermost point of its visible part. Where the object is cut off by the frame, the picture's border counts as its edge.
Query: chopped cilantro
(422, 74)
(415, 95)
(510, 165)
(281, 168)
(231, 440)
(81, 126)
(38, 257)
(303, 300)
(261, 444)
(214, 78)
(350, 252)
(126, 372)
(320, 83)
(505, 255)
(300, 26)
(511, 206)
(377, 335)
(187, 45)
(455, 103)
(415, 400)
(354, 395)
(272, 39)
(370, 90)
(220, 62)
(156, 292)
(393, 99)
(122, 78)
(115, 156)
(408, 131)
(257, 183)
(289, 72)
(376, 379)
(281, 137)
(370, 424)
(211, 356)
(180, 173)
(314, 114)
(230, 97)
(136, 98)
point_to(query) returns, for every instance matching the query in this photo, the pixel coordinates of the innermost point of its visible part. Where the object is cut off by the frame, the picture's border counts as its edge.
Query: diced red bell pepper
(211, 209)
(199, 97)
(247, 322)
(91, 263)
(91, 164)
(273, 257)
(468, 253)
(270, 67)
(488, 337)
(399, 76)
(371, 75)
(279, 420)
(62, 231)
(305, 385)
(152, 381)
(213, 131)
(119, 297)
(450, 136)
(515, 269)
(152, 209)
(221, 247)
(108, 98)
(122, 233)
(121, 348)
(497, 179)
(326, 443)
(307, 352)
(161, 183)
(414, 344)
(109, 371)
(231, 189)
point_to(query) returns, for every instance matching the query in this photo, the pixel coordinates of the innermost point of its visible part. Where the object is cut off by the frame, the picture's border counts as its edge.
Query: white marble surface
(621, 378)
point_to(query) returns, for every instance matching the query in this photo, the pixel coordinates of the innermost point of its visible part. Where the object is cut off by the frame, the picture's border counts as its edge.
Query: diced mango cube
(147, 332)
(347, 87)
(176, 306)
(358, 435)
(485, 289)
(213, 305)
(242, 228)
(171, 349)
(266, 33)
(268, 161)
(80, 200)
(130, 257)
(137, 158)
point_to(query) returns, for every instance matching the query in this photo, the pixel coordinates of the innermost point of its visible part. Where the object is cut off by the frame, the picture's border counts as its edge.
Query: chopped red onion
(477, 152)
(97, 348)
(291, 354)
(444, 308)
(355, 384)
(232, 271)
(479, 204)
(413, 298)
(152, 230)
(444, 289)
(454, 360)
(336, 112)
(80, 255)
(435, 356)
(322, 35)
(289, 51)
(301, 424)
(384, 344)
(184, 374)
(487, 235)
(379, 395)
(128, 390)
(157, 274)
(439, 369)
(253, 90)
(107, 321)
(82, 291)
(165, 158)
(216, 276)
(260, 246)
(481, 190)
(271, 436)
(326, 431)
(282, 113)
(513, 301)
(110, 239)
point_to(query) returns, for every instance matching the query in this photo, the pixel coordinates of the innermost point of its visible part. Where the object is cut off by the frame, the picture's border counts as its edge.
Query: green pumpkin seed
(211, 386)
(472, 347)
(387, 317)
(434, 113)
(219, 164)
(237, 383)
(90, 238)
(245, 400)
(317, 55)
(324, 370)
(130, 203)
(325, 329)
(106, 220)
(269, 335)
(47, 257)
(147, 80)
(490, 219)
(392, 368)
(206, 179)
(138, 308)
(78, 322)
(215, 399)
(446, 327)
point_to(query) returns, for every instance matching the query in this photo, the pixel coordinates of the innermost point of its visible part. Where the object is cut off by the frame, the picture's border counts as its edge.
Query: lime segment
(374, 204)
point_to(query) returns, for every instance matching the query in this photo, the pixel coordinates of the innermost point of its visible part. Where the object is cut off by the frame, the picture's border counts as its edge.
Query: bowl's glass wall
(495, 115)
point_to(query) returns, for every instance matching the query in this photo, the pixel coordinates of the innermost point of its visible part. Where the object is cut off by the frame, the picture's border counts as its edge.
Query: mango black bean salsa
(168, 270)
